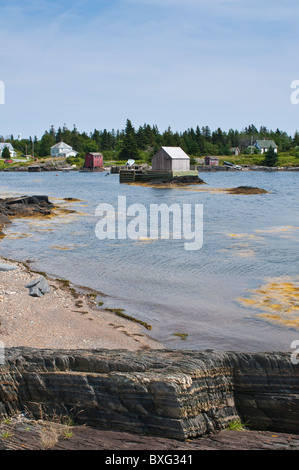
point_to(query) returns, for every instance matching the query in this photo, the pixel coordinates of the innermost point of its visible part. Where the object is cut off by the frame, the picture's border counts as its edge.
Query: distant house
(10, 148)
(211, 161)
(62, 150)
(93, 160)
(235, 150)
(264, 145)
(170, 159)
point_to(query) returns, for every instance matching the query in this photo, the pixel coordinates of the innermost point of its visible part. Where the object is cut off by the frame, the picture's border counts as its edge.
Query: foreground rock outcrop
(174, 394)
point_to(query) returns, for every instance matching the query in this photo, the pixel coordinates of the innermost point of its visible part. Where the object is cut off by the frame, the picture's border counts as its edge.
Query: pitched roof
(266, 144)
(6, 144)
(176, 153)
(61, 145)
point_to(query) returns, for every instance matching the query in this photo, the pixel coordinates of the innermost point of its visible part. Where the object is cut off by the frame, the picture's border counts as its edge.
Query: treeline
(143, 142)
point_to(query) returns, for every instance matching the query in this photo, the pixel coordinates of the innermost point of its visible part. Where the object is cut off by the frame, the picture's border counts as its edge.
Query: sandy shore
(64, 318)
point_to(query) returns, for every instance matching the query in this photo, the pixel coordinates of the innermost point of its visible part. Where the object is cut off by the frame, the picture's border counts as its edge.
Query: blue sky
(177, 63)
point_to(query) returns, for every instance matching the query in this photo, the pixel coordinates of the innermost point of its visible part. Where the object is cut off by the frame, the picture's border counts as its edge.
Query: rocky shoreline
(133, 385)
(63, 355)
(166, 393)
(62, 165)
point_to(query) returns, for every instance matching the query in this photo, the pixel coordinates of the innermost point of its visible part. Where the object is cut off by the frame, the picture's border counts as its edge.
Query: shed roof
(176, 153)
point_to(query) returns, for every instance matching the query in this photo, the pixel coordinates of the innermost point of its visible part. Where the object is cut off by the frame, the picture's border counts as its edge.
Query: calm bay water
(247, 240)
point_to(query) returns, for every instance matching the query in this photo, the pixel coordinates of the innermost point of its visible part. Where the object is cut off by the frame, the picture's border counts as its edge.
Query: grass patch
(236, 425)
(6, 434)
(284, 159)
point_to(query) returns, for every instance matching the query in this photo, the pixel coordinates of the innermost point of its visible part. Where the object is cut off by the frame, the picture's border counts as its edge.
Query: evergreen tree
(295, 140)
(129, 147)
(66, 135)
(105, 140)
(52, 131)
(47, 141)
(168, 138)
(90, 146)
(271, 158)
(96, 136)
(6, 153)
(59, 135)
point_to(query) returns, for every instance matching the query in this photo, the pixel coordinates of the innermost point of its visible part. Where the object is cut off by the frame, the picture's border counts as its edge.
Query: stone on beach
(7, 267)
(38, 287)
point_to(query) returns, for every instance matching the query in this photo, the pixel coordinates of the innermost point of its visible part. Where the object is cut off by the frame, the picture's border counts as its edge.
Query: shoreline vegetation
(48, 164)
(141, 144)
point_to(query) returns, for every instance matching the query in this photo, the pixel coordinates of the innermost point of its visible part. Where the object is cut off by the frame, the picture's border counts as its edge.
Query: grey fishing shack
(171, 159)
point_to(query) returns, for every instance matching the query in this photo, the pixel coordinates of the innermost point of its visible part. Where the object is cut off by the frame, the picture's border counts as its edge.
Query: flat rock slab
(7, 267)
(27, 435)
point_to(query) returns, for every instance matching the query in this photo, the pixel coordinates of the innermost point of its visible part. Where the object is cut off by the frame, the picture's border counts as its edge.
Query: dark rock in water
(25, 206)
(186, 179)
(169, 393)
(38, 287)
(178, 180)
(246, 190)
(7, 267)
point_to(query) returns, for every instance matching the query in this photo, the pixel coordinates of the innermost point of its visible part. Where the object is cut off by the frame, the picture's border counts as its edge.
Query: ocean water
(249, 243)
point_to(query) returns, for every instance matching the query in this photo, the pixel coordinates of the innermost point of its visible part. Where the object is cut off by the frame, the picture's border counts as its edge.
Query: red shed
(93, 160)
(211, 161)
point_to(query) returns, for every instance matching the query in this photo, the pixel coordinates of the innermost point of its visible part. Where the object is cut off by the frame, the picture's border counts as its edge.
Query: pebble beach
(63, 318)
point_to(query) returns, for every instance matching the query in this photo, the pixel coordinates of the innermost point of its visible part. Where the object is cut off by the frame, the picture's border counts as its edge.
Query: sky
(171, 63)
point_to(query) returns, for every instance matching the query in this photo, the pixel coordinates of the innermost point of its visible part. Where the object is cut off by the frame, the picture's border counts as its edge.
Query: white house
(171, 159)
(264, 145)
(62, 150)
(10, 148)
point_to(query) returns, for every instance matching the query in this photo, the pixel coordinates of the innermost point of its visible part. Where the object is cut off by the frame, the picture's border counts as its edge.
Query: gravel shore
(64, 318)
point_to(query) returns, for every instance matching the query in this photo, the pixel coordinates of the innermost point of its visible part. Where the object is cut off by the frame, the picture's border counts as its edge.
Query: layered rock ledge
(168, 393)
